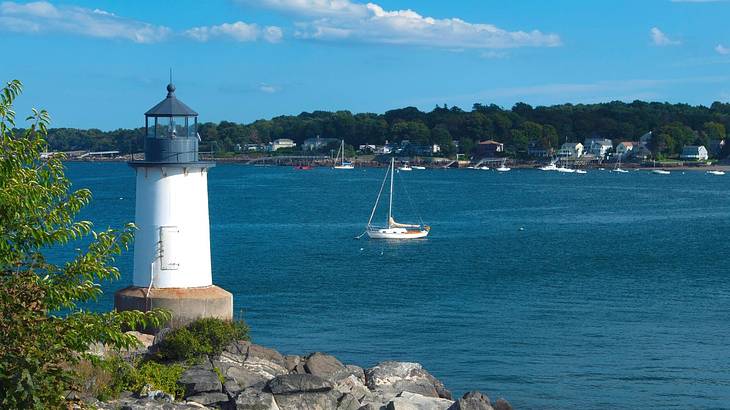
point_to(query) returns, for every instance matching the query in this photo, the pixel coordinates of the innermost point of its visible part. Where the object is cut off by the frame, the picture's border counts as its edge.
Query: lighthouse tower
(172, 267)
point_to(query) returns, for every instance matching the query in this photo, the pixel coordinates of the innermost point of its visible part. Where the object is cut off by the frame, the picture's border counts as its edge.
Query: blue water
(615, 295)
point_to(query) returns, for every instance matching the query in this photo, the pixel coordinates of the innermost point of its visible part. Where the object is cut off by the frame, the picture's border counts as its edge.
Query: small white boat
(342, 164)
(503, 169)
(618, 167)
(393, 229)
(483, 168)
(565, 169)
(660, 172)
(418, 167)
(550, 167)
(581, 171)
(405, 167)
(716, 172)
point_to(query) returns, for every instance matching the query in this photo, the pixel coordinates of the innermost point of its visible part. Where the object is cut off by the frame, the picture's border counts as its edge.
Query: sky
(102, 64)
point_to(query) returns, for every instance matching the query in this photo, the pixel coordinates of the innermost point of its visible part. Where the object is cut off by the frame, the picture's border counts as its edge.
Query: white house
(599, 147)
(311, 144)
(623, 149)
(281, 143)
(694, 152)
(571, 149)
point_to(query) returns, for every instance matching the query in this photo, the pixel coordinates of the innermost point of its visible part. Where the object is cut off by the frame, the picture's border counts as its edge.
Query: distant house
(538, 150)
(281, 143)
(366, 148)
(599, 147)
(488, 149)
(694, 152)
(571, 149)
(250, 147)
(639, 152)
(623, 149)
(715, 147)
(312, 144)
(645, 140)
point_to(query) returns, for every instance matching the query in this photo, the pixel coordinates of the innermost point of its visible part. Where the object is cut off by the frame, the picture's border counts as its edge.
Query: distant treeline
(673, 126)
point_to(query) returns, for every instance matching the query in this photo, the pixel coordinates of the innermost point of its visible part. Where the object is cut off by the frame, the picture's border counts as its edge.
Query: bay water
(553, 290)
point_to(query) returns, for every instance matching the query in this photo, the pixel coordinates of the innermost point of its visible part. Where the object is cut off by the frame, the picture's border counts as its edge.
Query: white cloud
(269, 88)
(344, 20)
(42, 16)
(720, 49)
(238, 31)
(658, 38)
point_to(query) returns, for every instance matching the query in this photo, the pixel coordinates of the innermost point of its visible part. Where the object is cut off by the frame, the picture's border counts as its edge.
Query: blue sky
(104, 63)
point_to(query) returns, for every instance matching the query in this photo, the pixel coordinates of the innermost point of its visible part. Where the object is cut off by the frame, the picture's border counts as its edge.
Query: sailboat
(393, 229)
(341, 156)
(503, 167)
(618, 167)
(550, 167)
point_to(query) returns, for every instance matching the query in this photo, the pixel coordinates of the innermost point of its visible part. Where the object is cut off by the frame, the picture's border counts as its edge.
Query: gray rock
(321, 400)
(215, 398)
(298, 383)
(265, 354)
(322, 365)
(348, 402)
(231, 388)
(347, 371)
(388, 379)
(356, 387)
(244, 376)
(502, 404)
(472, 401)
(251, 399)
(144, 404)
(368, 407)
(291, 362)
(198, 379)
(413, 401)
(299, 369)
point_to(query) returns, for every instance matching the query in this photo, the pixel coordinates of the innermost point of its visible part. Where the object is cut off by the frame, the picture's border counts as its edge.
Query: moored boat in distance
(716, 172)
(503, 167)
(418, 167)
(393, 229)
(549, 167)
(581, 171)
(660, 172)
(342, 164)
(405, 167)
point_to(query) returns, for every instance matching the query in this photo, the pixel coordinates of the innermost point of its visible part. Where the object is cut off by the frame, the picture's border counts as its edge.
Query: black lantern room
(171, 131)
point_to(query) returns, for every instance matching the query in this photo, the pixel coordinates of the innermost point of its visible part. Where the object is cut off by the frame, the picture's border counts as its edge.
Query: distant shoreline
(513, 165)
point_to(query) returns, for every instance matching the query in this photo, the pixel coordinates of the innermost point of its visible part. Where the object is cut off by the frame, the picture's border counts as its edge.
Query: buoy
(522, 228)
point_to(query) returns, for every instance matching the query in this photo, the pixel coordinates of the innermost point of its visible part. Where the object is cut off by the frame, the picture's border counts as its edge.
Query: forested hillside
(674, 125)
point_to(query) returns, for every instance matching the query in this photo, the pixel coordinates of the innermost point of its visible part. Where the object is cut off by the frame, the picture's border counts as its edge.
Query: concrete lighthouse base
(185, 304)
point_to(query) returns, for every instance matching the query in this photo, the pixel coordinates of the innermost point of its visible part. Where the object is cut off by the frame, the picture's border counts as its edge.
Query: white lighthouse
(172, 264)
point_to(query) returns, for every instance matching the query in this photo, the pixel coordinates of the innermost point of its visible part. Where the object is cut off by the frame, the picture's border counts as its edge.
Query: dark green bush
(208, 336)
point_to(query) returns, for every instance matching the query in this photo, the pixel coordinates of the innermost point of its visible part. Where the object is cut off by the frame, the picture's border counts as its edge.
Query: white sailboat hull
(344, 167)
(396, 233)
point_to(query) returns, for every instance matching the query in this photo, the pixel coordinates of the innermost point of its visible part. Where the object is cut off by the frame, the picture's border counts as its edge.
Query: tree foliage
(516, 127)
(43, 325)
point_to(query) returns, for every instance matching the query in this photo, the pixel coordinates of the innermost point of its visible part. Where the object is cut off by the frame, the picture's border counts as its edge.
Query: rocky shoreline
(247, 376)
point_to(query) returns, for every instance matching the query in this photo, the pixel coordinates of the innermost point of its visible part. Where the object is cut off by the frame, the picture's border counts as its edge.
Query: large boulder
(303, 392)
(322, 365)
(388, 379)
(209, 399)
(200, 379)
(260, 363)
(472, 401)
(298, 383)
(252, 399)
(413, 401)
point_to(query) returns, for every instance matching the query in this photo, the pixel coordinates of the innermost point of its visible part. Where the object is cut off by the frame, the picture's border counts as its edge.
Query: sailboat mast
(390, 203)
(342, 148)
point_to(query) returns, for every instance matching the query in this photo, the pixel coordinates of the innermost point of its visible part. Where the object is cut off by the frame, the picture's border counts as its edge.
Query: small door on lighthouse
(169, 244)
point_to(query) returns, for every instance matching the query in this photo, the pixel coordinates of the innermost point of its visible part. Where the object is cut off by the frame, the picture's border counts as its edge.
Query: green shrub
(208, 336)
(160, 377)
